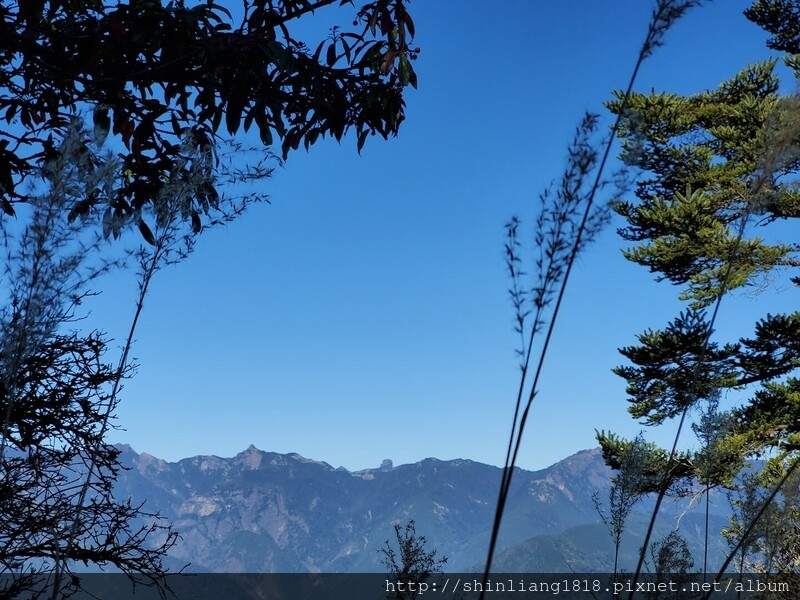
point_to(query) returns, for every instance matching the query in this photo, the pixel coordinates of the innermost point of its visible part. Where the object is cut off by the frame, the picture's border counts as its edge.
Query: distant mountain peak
(125, 449)
(251, 457)
(309, 461)
(263, 511)
(587, 465)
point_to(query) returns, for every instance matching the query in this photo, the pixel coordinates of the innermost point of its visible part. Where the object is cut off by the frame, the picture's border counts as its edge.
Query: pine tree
(718, 171)
(717, 166)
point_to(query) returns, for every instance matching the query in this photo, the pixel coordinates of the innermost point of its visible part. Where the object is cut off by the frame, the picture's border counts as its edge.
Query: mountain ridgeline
(266, 512)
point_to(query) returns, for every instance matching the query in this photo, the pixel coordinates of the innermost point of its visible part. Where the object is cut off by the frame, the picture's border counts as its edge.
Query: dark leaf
(412, 76)
(7, 207)
(248, 119)
(233, 112)
(318, 52)
(265, 132)
(409, 23)
(347, 51)
(196, 224)
(81, 209)
(146, 233)
(11, 112)
(362, 137)
(6, 180)
(404, 70)
(216, 119)
(386, 22)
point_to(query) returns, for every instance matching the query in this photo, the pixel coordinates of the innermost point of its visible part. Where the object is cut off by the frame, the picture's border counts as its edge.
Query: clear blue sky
(363, 315)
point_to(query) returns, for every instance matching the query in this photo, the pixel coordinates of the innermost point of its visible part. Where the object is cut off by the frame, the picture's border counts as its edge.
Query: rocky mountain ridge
(266, 512)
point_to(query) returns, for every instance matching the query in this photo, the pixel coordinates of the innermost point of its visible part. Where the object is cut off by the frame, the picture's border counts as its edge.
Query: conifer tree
(719, 170)
(718, 165)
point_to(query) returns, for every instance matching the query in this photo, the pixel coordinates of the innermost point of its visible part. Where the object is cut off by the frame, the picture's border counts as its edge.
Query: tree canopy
(156, 75)
(719, 170)
(125, 115)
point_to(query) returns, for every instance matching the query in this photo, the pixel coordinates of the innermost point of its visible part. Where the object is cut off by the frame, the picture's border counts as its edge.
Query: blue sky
(363, 314)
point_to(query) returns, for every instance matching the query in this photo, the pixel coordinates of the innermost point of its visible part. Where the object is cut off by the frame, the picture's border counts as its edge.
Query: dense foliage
(718, 167)
(120, 116)
(155, 75)
(719, 171)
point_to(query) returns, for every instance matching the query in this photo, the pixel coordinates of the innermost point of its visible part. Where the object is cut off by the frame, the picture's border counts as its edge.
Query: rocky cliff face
(266, 512)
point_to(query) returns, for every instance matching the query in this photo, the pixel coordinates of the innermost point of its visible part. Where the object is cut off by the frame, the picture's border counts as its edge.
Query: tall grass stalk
(568, 221)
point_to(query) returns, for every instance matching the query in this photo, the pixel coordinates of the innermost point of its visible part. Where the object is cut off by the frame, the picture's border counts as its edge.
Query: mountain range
(266, 512)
